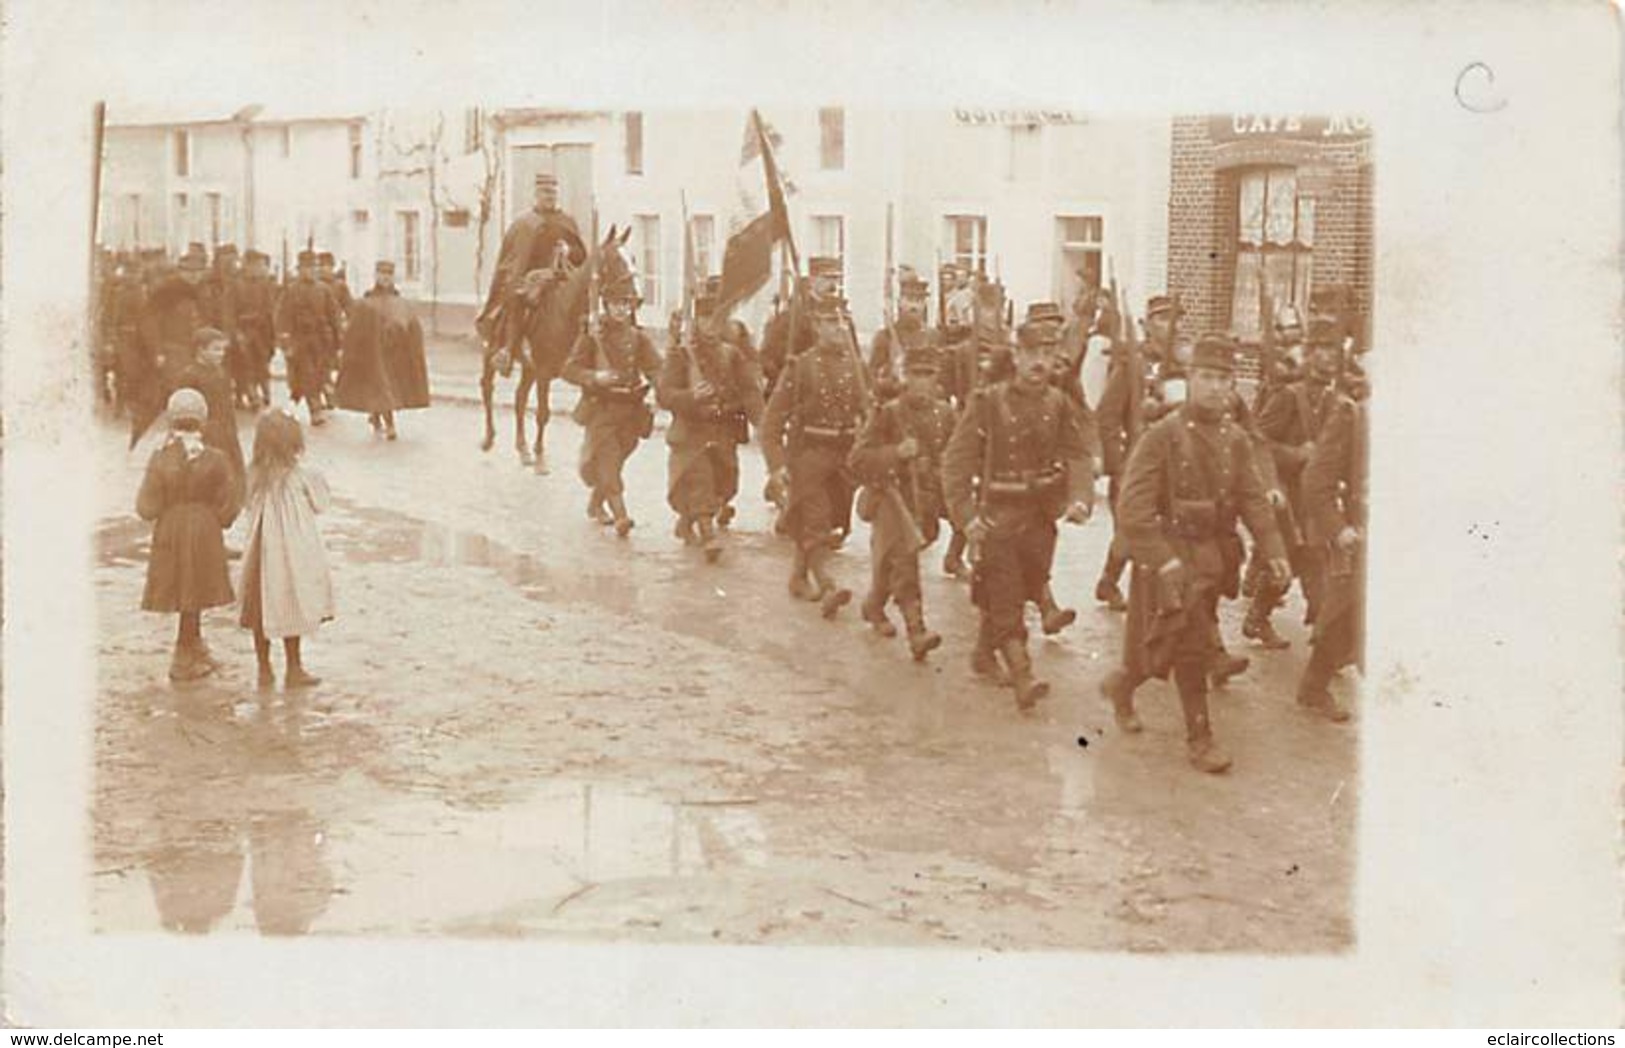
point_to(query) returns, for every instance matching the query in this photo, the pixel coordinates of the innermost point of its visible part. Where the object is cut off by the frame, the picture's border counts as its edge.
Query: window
(1080, 243)
(1024, 157)
(473, 130)
(1275, 233)
(832, 139)
(360, 217)
(183, 154)
(215, 212)
(634, 143)
(287, 141)
(966, 237)
(704, 232)
(648, 257)
(182, 221)
(355, 150)
(829, 239)
(454, 218)
(406, 228)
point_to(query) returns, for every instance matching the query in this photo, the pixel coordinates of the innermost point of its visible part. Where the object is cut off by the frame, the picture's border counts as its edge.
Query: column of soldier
(992, 434)
(155, 314)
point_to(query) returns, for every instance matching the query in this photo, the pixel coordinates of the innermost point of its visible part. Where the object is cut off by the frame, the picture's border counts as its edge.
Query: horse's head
(616, 266)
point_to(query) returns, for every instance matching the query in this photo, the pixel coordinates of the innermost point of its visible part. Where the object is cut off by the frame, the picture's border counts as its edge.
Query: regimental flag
(747, 261)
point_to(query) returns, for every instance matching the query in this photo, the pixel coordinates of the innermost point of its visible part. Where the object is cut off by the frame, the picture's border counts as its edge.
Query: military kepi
(1215, 353)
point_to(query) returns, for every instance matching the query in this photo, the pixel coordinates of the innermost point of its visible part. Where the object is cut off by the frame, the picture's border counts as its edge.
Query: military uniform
(1121, 421)
(1291, 420)
(886, 359)
(308, 317)
(254, 311)
(905, 497)
(614, 364)
(122, 322)
(1020, 456)
(384, 369)
(811, 422)
(536, 240)
(173, 316)
(1188, 481)
(1334, 493)
(713, 391)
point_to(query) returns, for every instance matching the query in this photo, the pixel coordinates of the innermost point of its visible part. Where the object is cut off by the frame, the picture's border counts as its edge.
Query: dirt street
(529, 728)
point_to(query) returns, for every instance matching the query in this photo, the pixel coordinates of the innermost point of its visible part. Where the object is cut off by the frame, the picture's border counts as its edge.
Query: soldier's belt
(621, 394)
(1038, 482)
(828, 433)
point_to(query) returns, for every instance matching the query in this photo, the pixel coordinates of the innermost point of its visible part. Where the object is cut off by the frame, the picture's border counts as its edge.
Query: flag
(747, 260)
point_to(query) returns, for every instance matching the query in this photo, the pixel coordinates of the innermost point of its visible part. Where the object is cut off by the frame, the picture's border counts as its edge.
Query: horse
(551, 329)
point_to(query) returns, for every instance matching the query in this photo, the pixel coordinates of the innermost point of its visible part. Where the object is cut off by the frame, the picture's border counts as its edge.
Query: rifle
(1133, 361)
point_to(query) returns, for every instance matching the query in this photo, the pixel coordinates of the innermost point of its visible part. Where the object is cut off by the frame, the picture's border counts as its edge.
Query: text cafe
(1270, 207)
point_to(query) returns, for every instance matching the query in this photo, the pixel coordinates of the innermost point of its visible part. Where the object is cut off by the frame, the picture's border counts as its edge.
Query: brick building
(1279, 201)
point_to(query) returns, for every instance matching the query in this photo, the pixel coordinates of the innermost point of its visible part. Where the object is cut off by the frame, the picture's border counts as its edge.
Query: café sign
(1016, 117)
(1244, 127)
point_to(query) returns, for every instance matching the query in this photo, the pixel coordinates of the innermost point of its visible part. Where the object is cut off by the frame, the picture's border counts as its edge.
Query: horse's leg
(488, 377)
(521, 397)
(544, 412)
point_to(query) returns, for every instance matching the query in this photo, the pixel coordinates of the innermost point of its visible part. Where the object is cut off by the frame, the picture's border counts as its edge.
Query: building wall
(1204, 208)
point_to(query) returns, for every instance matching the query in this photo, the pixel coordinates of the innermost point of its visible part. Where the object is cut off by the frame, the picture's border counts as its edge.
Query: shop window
(829, 239)
(1275, 237)
(1080, 242)
(647, 231)
(966, 239)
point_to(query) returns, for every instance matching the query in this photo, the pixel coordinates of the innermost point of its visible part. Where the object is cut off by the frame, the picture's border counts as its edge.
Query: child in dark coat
(188, 493)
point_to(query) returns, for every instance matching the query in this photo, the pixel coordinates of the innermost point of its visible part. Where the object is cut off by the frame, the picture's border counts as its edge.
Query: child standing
(287, 588)
(188, 494)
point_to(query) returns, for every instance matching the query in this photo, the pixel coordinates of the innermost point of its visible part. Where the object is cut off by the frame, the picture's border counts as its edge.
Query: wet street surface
(527, 727)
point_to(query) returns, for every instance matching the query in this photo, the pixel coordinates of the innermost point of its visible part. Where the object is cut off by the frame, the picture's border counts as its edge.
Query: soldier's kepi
(1188, 481)
(1021, 457)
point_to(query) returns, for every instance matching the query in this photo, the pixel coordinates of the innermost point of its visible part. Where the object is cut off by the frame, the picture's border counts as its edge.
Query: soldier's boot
(725, 515)
(1117, 689)
(1314, 691)
(874, 613)
(710, 545)
(1107, 588)
(831, 596)
(1223, 666)
(623, 522)
(801, 586)
(953, 561)
(1257, 625)
(1055, 617)
(921, 641)
(984, 660)
(1204, 752)
(1029, 689)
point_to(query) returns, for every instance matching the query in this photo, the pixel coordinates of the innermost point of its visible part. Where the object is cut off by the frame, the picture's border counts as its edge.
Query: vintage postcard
(696, 515)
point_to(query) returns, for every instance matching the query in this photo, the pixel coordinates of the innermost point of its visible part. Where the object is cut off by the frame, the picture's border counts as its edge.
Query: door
(572, 164)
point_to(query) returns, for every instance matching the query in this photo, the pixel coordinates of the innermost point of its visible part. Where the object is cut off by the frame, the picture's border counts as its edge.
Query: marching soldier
(1020, 458)
(886, 361)
(1120, 423)
(1291, 419)
(308, 319)
(808, 430)
(254, 309)
(1188, 480)
(981, 358)
(821, 289)
(329, 278)
(327, 273)
(897, 456)
(170, 322)
(1334, 494)
(535, 241)
(123, 324)
(711, 387)
(615, 365)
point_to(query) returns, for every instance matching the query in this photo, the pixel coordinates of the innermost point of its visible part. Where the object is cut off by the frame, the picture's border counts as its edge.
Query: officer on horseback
(535, 242)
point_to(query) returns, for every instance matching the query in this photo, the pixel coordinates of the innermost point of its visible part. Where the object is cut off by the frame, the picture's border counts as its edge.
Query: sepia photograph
(920, 530)
(825, 526)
